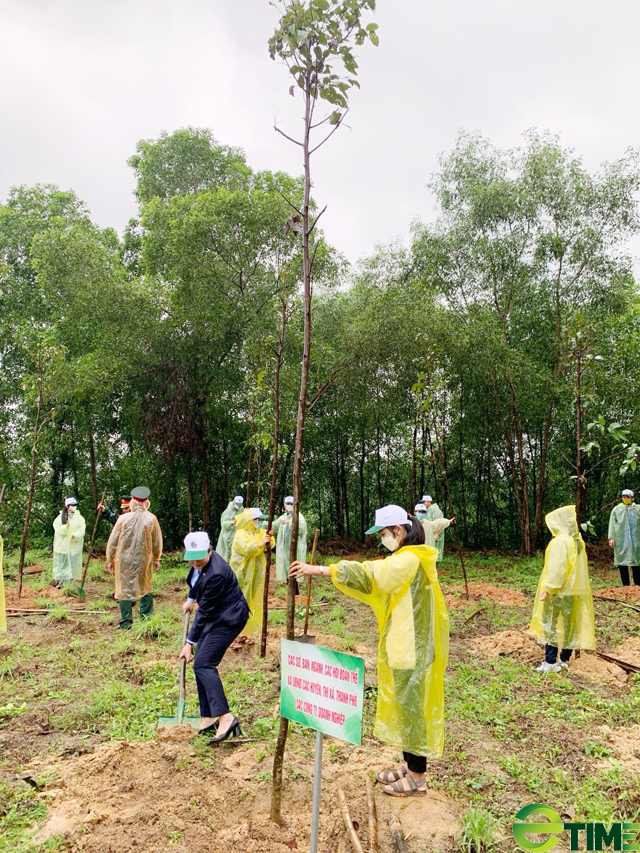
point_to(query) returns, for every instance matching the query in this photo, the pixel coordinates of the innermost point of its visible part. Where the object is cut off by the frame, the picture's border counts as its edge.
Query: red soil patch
(623, 593)
(29, 596)
(503, 595)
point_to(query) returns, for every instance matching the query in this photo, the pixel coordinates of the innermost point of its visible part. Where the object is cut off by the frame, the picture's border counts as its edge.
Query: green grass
(478, 831)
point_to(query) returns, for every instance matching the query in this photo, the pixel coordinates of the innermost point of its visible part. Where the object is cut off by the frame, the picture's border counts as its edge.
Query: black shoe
(234, 730)
(208, 730)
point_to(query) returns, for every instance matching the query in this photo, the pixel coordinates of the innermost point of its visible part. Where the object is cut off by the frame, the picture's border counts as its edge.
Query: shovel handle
(183, 663)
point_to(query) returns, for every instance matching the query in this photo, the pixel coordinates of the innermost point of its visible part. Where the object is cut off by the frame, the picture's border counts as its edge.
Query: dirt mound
(510, 643)
(590, 665)
(454, 602)
(156, 796)
(29, 596)
(503, 595)
(626, 742)
(628, 650)
(623, 593)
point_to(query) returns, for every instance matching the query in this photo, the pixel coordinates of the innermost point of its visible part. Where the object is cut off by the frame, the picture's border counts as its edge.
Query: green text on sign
(322, 689)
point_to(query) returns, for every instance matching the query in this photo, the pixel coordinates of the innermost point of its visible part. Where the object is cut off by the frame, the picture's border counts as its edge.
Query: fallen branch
(618, 601)
(396, 832)
(348, 823)
(623, 664)
(49, 613)
(475, 613)
(373, 817)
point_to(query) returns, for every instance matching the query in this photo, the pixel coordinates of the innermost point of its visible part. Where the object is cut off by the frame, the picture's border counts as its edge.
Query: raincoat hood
(244, 521)
(563, 521)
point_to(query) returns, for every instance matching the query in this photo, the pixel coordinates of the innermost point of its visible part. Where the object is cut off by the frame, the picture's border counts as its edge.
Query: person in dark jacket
(109, 515)
(222, 614)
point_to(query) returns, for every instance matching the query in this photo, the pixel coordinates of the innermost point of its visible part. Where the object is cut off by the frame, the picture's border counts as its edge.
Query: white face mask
(71, 509)
(390, 542)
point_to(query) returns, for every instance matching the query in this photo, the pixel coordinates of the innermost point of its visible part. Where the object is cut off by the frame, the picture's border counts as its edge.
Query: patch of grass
(21, 814)
(478, 831)
(163, 623)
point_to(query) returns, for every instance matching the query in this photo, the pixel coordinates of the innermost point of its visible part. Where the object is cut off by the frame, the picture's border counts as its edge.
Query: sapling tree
(315, 39)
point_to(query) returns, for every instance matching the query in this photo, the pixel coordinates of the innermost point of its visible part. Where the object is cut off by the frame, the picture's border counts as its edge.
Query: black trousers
(416, 763)
(209, 652)
(551, 654)
(624, 575)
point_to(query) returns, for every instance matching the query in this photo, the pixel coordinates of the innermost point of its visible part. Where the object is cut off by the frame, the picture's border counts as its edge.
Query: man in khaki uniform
(133, 550)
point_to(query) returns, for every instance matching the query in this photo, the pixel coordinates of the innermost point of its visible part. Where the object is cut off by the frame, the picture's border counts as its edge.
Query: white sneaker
(564, 665)
(548, 667)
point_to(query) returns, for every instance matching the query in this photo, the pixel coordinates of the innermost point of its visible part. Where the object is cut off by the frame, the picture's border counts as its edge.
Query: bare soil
(503, 595)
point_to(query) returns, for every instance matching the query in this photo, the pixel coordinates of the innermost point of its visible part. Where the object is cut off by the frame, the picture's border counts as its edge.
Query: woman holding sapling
(413, 648)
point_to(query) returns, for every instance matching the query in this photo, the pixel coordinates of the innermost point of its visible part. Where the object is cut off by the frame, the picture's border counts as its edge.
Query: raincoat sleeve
(556, 566)
(612, 525)
(112, 542)
(439, 524)
(60, 528)
(302, 534)
(374, 579)
(227, 518)
(81, 528)
(248, 547)
(276, 524)
(156, 540)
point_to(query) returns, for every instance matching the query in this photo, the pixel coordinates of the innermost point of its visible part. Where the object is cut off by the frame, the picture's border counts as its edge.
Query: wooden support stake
(618, 601)
(348, 823)
(396, 832)
(373, 817)
(474, 614)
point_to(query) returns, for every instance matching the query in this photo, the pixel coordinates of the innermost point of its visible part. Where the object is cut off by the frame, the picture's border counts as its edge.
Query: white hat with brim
(70, 502)
(257, 513)
(388, 516)
(196, 545)
(289, 500)
(238, 500)
(627, 493)
(427, 499)
(420, 508)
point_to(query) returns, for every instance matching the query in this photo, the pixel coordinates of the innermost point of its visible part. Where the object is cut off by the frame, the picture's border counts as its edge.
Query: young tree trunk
(278, 758)
(94, 475)
(361, 470)
(189, 495)
(32, 479)
(274, 470)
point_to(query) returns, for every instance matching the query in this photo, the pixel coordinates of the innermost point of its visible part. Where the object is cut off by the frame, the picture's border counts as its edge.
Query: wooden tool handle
(183, 663)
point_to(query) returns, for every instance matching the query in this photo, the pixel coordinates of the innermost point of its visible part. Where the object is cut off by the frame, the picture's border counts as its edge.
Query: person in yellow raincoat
(249, 563)
(413, 648)
(69, 529)
(563, 609)
(3, 612)
(133, 550)
(432, 527)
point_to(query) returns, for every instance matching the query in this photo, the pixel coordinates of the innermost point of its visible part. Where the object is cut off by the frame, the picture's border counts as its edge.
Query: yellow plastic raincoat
(67, 547)
(413, 648)
(565, 618)
(3, 612)
(433, 514)
(282, 529)
(249, 563)
(433, 529)
(135, 543)
(227, 530)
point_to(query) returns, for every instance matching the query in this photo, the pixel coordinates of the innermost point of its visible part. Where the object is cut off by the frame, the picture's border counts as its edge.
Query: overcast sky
(83, 81)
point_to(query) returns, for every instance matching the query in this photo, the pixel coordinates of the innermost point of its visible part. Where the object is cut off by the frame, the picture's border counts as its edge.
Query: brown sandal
(386, 777)
(397, 789)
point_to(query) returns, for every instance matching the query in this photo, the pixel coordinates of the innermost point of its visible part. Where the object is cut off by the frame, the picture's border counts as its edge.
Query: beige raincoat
(134, 545)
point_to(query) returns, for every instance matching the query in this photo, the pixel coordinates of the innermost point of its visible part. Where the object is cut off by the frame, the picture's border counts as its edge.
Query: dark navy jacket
(220, 599)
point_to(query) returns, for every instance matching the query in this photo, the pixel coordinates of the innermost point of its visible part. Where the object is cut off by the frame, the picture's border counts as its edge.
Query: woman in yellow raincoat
(563, 610)
(413, 648)
(69, 529)
(249, 563)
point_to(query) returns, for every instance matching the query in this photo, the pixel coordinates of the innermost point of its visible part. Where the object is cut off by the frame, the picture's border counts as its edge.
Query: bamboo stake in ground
(373, 817)
(348, 823)
(396, 832)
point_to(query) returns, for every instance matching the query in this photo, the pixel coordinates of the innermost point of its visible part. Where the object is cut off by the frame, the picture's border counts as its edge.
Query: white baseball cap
(196, 545)
(70, 502)
(289, 499)
(238, 500)
(388, 516)
(420, 508)
(627, 493)
(257, 513)
(427, 499)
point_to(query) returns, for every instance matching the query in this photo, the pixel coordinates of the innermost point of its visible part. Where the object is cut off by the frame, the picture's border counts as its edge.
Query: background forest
(502, 345)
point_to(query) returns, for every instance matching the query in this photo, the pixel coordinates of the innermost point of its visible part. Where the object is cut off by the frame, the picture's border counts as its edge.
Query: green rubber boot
(146, 605)
(126, 615)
